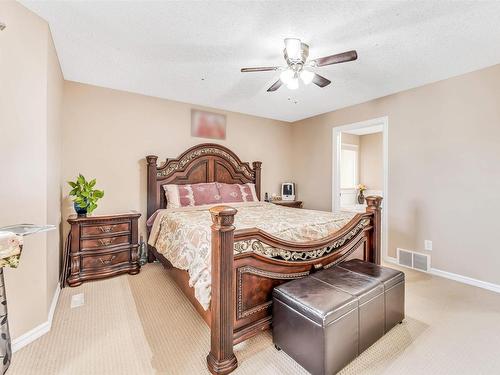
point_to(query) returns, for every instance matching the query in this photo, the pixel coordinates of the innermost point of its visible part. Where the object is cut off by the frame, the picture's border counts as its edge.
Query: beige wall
(351, 139)
(27, 125)
(108, 133)
(444, 141)
(371, 163)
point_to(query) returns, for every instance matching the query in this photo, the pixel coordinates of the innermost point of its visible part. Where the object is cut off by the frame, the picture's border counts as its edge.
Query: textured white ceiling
(164, 49)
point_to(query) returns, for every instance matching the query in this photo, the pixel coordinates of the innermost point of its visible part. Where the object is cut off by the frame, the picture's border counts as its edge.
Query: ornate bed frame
(242, 283)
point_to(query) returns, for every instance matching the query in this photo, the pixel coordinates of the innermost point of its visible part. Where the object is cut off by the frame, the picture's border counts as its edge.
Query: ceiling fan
(296, 54)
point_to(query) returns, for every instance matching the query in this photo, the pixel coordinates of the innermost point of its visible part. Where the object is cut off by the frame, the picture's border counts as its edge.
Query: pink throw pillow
(230, 193)
(191, 195)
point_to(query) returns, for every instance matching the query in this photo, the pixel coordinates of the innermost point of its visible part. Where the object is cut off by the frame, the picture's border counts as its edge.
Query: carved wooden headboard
(206, 162)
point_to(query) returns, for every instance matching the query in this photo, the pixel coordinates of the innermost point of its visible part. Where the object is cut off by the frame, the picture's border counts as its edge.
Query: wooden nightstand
(294, 204)
(102, 246)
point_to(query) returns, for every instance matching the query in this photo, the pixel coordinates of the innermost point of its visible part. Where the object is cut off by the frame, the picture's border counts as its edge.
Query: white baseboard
(466, 280)
(30, 336)
(454, 276)
(40, 330)
(389, 259)
(53, 305)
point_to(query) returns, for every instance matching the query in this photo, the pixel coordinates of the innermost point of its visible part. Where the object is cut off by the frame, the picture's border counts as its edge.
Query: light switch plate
(428, 245)
(77, 300)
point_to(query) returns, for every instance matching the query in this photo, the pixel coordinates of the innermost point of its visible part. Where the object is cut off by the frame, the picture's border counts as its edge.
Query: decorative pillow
(191, 195)
(237, 192)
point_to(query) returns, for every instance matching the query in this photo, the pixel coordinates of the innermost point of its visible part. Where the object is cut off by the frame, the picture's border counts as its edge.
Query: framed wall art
(208, 124)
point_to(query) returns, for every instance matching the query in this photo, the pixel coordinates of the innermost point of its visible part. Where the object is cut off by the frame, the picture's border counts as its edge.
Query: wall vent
(411, 259)
(405, 258)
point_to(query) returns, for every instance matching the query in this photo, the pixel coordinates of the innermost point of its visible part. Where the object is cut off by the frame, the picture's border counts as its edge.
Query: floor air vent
(414, 260)
(405, 258)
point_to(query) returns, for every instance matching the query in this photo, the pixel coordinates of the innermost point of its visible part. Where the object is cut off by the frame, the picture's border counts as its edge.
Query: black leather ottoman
(316, 324)
(394, 288)
(325, 320)
(370, 295)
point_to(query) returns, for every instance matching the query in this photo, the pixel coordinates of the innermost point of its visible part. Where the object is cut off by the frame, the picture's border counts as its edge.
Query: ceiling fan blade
(320, 81)
(275, 86)
(259, 69)
(336, 59)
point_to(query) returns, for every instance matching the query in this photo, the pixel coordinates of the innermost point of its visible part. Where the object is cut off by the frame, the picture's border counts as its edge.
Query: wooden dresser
(102, 246)
(294, 204)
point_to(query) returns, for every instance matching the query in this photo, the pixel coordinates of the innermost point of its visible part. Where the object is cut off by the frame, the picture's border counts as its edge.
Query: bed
(247, 254)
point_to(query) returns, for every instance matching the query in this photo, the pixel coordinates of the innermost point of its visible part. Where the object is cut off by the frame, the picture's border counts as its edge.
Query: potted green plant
(85, 196)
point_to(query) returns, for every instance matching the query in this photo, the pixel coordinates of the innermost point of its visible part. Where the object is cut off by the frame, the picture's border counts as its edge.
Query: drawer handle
(107, 261)
(107, 228)
(106, 241)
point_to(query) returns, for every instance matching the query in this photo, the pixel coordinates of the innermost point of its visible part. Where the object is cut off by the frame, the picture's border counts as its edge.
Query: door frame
(336, 152)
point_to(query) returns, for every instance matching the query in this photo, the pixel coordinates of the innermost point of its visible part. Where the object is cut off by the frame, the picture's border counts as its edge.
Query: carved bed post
(221, 359)
(374, 206)
(256, 166)
(152, 195)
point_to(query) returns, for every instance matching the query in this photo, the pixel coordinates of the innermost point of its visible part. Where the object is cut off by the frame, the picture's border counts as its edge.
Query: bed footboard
(242, 285)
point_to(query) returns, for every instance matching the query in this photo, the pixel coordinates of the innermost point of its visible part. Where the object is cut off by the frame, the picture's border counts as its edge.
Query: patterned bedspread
(183, 235)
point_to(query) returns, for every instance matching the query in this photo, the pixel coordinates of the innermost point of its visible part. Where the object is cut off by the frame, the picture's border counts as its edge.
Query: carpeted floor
(144, 325)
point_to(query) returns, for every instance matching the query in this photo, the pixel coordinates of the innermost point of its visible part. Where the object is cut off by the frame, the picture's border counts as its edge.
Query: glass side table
(11, 245)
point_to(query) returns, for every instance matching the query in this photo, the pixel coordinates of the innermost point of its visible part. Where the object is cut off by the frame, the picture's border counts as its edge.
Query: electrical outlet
(77, 300)
(428, 245)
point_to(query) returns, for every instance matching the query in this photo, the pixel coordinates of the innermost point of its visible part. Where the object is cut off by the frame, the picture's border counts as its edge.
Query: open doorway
(360, 167)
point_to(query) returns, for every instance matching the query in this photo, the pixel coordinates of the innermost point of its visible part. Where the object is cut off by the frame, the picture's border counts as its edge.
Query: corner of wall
(55, 84)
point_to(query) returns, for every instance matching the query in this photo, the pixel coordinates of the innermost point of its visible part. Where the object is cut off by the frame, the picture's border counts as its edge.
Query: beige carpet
(144, 325)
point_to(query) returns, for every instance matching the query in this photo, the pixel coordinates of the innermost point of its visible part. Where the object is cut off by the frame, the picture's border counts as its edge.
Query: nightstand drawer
(104, 242)
(90, 262)
(103, 229)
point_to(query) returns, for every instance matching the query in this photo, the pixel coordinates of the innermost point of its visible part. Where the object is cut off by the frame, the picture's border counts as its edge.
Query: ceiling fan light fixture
(306, 76)
(293, 48)
(299, 68)
(286, 75)
(293, 84)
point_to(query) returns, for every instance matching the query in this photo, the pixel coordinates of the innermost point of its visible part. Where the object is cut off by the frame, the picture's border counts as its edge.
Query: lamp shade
(306, 76)
(286, 76)
(293, 84)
